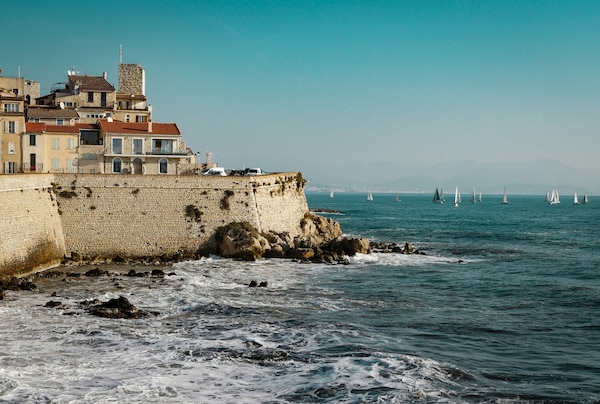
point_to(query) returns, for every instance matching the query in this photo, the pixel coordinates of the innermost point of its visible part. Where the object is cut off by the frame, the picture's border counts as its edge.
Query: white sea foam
(214, 339)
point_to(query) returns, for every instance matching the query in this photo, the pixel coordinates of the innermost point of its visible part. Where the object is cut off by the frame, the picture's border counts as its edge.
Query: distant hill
(534, 177)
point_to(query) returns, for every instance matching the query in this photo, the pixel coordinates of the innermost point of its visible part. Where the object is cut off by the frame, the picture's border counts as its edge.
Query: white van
(254, 171)
(218, 171)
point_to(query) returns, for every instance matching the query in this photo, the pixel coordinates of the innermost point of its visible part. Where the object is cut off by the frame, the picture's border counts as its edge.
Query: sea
(501, 305)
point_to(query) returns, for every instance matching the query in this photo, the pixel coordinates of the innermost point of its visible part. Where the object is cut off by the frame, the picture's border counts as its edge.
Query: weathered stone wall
(31, 234)
(46, 217)
(152, 215)
(131, 79)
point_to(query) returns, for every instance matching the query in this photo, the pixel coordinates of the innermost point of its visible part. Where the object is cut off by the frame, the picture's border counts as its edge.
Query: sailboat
(504, 198)
(575, 199)
(370, 197)
(456, 197)
(473, 198)
(554, 198)
(397, 197)
(585, 199)
(331, 193)
(437, 197)
(480, 200)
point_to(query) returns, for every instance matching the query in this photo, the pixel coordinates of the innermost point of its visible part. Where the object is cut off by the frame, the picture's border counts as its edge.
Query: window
(116, 165)
(103, 99)
(31, 140)
(11, 167)
(12, 127)
(140, 118)
(55, 164)
(32, 162)
(162, 146)
(90, 137)
(55, 143)
(90, 97)
(70, 144)
(138, 146)
(127, 118)
(36, 120)
(70, 165)
(163, 166)
(117, 146)
(60, 121)
(11, 107)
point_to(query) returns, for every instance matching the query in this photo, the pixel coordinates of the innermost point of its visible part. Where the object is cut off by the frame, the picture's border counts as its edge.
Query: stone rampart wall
(31, 234)
(46, 217)
(152, 215)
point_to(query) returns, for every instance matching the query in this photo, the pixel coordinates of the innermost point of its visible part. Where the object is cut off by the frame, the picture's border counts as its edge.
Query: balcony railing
(166, 153)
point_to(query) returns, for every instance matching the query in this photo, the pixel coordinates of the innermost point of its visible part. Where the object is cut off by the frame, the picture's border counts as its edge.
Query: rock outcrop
(320, 241)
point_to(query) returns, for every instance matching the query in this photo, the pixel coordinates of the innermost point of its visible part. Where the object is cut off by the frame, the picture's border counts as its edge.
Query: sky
(345, 86)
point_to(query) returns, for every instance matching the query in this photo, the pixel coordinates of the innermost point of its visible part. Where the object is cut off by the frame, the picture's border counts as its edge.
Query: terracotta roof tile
(92, 83)
(140, 128)
(51, 113)
(34, 127)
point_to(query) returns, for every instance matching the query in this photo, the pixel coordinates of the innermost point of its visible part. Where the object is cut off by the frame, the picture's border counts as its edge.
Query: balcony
(166, 153)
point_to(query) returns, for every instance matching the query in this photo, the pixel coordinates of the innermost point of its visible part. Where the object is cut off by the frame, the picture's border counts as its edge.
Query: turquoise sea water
(501, 308)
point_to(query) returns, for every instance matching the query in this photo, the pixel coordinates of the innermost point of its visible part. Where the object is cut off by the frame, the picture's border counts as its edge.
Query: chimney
(149, 125)
(104, 75)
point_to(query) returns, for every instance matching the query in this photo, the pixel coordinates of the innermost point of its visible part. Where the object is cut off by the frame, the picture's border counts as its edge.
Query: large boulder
(348, 246)
(318, 230)
(241, 240)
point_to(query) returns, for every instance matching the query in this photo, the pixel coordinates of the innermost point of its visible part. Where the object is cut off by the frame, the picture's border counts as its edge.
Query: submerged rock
(116, 308)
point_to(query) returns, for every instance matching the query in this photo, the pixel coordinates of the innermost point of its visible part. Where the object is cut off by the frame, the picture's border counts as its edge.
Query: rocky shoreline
(321, 241)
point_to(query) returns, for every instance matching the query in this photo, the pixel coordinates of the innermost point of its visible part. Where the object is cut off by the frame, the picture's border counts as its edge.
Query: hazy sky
(287, 84)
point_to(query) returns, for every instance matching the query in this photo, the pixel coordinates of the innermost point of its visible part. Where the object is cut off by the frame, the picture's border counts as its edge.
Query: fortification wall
(31, 234)
(152, 215)
(47, 217)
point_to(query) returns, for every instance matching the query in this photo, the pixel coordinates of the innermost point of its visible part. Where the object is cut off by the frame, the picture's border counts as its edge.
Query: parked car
(217, 171)
(254, 171)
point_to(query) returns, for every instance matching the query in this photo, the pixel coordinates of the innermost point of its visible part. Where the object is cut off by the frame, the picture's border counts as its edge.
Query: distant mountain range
(534, 177)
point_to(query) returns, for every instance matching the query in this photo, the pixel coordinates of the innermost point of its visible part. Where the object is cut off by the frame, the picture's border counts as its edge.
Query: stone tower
(132, 79)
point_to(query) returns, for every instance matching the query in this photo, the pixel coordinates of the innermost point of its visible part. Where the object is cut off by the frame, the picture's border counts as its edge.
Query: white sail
(473, 198)
(480, 200)
(585, 199)
(370, 197)
(331, 193)
(575, 199)
(456, 197)
(554, 198)
(504, 197)
(397, 197)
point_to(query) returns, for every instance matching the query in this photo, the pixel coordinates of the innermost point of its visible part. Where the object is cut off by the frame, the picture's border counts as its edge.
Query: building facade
(12, 123)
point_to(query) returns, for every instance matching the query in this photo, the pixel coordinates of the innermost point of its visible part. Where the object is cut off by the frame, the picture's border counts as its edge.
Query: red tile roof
(92, 83)
(39, 127)
(34, 127)
(140, 128)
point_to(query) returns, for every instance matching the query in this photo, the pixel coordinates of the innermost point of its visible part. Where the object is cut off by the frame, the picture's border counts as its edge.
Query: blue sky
(292, 85)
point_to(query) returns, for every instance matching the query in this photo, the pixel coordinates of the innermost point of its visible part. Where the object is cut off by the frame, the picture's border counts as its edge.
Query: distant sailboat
(397, 197)
(480, 200)
(456, 197)
(585, 199)
(504, 197)
(331, 193)
(575, 199)
(554, 198)
(370, 197)
(437, 197)
(473, 198)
